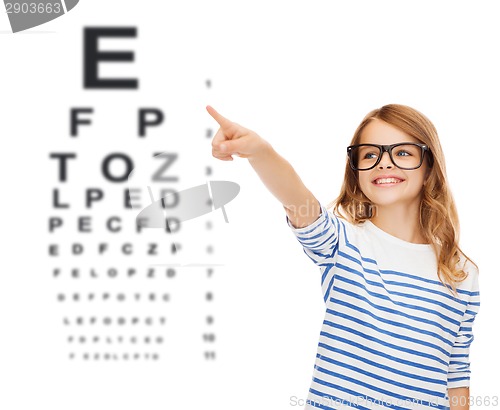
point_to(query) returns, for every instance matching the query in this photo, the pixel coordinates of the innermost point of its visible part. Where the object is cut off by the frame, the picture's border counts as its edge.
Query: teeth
(387, 181)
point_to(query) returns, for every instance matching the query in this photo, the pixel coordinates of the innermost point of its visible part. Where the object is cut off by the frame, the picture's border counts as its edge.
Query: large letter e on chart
(92, 57)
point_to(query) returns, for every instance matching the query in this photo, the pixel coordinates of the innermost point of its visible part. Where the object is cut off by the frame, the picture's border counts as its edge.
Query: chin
(389, 200)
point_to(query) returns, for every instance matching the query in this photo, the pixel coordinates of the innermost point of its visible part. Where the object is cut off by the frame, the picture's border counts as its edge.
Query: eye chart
(119, 275)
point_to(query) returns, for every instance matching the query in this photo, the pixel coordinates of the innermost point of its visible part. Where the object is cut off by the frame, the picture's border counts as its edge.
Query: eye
(403, 153)
(370, 155)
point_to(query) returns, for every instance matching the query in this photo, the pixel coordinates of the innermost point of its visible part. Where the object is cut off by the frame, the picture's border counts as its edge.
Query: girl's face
(399, 186)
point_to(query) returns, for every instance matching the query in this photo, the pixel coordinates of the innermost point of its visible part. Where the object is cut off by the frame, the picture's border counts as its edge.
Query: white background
(303, 75)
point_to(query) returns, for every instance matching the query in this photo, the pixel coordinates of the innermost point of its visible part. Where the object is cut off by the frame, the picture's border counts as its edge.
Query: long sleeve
(320, 243)
(459, 366)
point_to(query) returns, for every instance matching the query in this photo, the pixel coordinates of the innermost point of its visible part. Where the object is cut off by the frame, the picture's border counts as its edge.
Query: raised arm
(275, 172)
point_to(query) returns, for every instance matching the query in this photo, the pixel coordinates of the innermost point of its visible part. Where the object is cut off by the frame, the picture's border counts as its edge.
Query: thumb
(232, 146)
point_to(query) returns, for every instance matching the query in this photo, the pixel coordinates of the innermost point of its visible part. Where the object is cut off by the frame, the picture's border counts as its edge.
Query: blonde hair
(438, 214)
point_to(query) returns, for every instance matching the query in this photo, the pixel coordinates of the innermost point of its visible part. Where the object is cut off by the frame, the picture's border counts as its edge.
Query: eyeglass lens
(404, 156)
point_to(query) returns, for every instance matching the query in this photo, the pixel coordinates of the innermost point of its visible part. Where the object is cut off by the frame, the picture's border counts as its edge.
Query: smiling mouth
(387, 181)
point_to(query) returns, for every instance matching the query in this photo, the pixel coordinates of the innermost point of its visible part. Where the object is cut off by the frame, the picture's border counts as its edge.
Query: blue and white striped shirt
(393, 335)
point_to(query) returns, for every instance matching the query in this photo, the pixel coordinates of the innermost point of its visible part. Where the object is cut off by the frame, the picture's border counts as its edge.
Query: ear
(428, 169)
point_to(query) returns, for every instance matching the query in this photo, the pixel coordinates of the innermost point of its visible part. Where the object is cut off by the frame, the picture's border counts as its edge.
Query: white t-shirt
(393, 335)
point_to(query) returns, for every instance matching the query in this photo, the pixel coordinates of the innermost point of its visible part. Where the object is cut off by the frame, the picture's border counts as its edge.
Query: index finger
(223, 121)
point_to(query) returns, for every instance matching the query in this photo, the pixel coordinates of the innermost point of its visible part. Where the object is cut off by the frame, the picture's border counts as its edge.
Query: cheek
(364, 182)
(418, 180)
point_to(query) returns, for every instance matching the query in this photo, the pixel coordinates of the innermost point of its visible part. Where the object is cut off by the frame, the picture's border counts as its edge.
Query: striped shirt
(393, 335)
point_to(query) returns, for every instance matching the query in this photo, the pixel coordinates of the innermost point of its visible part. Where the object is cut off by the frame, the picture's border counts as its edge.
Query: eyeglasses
(404, 155)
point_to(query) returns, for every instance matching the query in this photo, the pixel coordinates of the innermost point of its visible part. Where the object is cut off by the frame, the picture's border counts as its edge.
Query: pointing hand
(232, 138)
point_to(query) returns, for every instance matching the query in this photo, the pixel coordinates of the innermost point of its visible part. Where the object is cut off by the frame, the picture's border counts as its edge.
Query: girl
(400, 294)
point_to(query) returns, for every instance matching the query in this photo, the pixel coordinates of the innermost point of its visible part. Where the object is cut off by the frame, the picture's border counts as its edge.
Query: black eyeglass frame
(387, 148)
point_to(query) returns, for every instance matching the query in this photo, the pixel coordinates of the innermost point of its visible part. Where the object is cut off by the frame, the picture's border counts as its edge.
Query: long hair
(438, 217)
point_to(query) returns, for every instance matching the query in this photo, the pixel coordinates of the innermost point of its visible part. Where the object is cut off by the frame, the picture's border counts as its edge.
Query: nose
(385, 161)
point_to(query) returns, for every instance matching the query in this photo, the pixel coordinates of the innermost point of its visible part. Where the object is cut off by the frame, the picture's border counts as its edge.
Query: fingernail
(223, 147)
